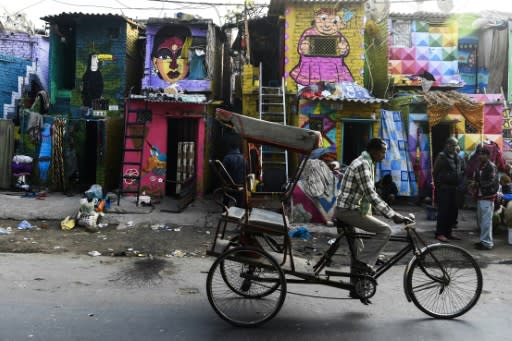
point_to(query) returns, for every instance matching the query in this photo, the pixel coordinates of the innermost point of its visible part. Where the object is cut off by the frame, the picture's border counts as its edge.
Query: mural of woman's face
(326, 23)
(166, 59)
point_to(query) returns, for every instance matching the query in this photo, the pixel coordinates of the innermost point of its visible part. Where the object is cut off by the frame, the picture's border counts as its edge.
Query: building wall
(133, 58)
(417, 46)
(12, 73)
(298, 19)
(192, 74)
(332, 120)
(156, 160)
(22, 58)
(98, 35)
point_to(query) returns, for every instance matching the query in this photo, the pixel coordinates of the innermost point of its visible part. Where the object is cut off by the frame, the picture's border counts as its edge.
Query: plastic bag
(300, 232)
(67, 223)
(94, 192)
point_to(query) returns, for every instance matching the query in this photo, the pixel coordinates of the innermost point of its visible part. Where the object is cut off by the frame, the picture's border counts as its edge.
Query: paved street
(71, 296)
(47, 297)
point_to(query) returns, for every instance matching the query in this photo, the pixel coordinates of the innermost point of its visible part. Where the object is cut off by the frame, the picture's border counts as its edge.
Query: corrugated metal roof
(71, 16)
(157, 21)
(353, 100)
(276, 7)
(420, 16)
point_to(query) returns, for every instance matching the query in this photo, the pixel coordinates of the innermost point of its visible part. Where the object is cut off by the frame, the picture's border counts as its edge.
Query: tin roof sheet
(71, 16)
(277, 6)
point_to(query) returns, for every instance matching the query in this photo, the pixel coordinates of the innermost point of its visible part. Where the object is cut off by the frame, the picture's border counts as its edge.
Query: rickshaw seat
(234, 213)
(263, 220)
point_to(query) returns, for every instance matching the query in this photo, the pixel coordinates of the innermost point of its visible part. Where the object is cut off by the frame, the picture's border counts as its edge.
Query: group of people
(483, 184)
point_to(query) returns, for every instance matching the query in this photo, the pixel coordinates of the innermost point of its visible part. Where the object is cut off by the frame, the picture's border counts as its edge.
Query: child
(506, 184)
(387, 189)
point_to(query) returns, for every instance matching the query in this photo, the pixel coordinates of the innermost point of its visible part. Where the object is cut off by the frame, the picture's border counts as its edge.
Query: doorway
(90, 155)
(181, 156)
(440, 133)
(355, 138)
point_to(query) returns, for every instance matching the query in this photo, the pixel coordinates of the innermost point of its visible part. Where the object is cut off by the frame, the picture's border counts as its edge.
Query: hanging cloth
(57, 170)
(440, 103)
(45, 152)
(397, 161)
(6, 152)
(197, 68)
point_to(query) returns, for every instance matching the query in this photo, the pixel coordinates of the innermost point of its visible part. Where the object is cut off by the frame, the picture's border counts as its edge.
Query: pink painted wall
(154, 159)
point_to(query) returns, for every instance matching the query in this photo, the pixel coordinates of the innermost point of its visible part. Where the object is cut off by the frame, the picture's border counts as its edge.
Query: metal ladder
(272, 108)
(135, 129)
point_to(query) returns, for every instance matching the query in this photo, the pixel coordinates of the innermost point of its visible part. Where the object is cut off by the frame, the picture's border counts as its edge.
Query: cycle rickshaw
(247, 283)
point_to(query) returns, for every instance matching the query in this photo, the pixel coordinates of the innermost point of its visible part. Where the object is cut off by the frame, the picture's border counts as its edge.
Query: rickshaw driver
(354, 208)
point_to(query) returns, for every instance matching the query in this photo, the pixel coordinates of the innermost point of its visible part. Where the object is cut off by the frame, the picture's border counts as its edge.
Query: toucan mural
(92, 80)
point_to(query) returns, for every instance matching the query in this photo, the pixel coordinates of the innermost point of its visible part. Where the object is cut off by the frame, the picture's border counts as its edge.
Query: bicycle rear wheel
(444, 281)
(246, 286)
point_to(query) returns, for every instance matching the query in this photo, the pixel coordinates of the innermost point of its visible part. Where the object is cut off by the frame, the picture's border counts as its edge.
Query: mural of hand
(304, 47)
(342, 47)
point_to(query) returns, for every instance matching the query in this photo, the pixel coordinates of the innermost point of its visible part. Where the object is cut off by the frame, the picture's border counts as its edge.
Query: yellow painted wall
(298, 18)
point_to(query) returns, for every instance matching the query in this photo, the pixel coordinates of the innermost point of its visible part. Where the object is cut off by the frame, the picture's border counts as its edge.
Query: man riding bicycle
(354, 208)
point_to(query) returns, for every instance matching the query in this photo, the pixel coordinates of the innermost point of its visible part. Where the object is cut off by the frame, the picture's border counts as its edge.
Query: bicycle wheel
(444, 281)
(235, 281)
(246, 286)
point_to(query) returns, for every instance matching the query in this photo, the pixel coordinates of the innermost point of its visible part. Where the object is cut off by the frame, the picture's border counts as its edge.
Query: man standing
(447, 175)
(354, 206)
(485, 186)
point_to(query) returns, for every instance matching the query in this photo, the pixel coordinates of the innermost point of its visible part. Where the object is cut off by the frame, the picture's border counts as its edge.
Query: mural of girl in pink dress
(322, 50)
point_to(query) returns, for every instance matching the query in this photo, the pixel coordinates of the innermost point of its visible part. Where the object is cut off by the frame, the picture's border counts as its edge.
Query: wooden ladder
(131, 167)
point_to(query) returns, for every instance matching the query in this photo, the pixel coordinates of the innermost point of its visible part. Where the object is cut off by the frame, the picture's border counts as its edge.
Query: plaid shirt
(358, 188)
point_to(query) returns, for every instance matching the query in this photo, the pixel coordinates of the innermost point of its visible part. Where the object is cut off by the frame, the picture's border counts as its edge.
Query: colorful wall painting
(468, 49)
(323, 36)
(431, 48)
(155, 158)
(92, 80)
(323, 48)
(175, 57)
(319, 116)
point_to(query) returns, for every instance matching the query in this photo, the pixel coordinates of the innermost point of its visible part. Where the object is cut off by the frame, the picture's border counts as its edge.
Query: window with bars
(323, 46)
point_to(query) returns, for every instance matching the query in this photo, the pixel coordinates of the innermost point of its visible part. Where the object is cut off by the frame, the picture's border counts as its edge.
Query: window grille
(323, 46)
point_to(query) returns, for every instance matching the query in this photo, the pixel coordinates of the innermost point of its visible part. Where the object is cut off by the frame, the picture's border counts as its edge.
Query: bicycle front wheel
(444, 281)
(246, 286)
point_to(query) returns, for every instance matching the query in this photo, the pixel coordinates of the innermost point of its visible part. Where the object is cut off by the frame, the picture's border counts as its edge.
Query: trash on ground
(67, 223)
(4, 231)
(25, 225)
(300, 232)
(129, 223)
(102, 225)
(187, 291)
(177, 229)
(178, 253)
(144, 200)
(331, 241)
(94, 253)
